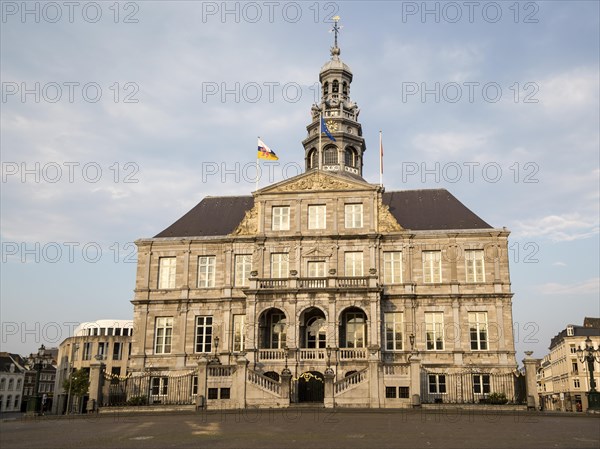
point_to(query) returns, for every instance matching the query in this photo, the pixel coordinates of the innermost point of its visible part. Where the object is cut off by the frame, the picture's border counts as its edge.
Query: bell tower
(342, 149)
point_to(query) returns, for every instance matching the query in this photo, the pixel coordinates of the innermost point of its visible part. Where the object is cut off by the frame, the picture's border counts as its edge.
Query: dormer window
(570, 331)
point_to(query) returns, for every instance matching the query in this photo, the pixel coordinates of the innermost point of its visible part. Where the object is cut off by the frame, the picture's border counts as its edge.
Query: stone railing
(264, 382)
(391, 370)
(312, 354)
(353, 353)
(350, 381)
(272, 283)
(352, 282)
(312, 282)
(220, 371)
(271, 354)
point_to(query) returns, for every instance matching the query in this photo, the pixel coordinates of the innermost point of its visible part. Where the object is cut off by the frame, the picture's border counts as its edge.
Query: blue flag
(325, 130)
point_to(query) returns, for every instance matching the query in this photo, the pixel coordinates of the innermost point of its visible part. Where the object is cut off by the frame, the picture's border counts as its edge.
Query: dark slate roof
(7, 359)
(431, 209)
(578, 331)
(218, 215)
(434, 209)
(591, 322)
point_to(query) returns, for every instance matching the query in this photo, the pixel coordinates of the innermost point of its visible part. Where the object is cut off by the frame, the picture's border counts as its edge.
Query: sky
(118, 117)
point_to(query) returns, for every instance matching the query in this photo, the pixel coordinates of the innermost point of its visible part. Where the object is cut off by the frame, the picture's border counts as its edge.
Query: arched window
(326, 88)
(18, 384)
(350, 157)
(272, 375)
(313, 160)
(10, 384)
(330, 156)
(8, 402)
(353, 331)
(335, 88)
(273, 329)
(2, 384)
(345, 88)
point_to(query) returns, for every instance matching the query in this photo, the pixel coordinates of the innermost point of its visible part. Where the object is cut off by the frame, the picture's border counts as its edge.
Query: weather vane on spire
(336, 29)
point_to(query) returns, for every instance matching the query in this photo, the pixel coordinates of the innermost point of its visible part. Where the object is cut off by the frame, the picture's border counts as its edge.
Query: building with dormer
(325, 288)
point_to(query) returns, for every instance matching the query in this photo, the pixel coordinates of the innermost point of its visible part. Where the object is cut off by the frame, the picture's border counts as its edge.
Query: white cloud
(559, 228)
(590, 286)
(559, 264)
(451, 144)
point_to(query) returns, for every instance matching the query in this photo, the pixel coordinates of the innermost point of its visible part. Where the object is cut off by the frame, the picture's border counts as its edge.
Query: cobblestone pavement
(306, 429)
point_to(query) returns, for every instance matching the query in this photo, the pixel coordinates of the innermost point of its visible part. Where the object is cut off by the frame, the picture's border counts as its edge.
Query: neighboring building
(12, 379)
(45, 382)
(563, 380)
(108, 341)
(391, 294)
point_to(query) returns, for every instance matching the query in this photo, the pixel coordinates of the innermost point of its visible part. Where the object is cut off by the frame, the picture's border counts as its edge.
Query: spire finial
(335, 51)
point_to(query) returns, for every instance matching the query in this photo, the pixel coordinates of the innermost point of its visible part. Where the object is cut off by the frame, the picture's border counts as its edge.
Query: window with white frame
(166, 272)
(117, 350)
(278, 330)
(474, 265)
(434, 331)
(481, 383)
(243, 267)
(238, 333)
(163, 333)
(354, 215)
(206, 271)
(437, 383)
(316, 268)
(353, 263)
(576, 383)
(355, 324)
(392, 267)
(102, 349)
(280, 265)
(478, 330)
(87, 351)
(317, 216)
(281, 218)
(432, 267)
(393, 322)
(204, 333)
(159, 386)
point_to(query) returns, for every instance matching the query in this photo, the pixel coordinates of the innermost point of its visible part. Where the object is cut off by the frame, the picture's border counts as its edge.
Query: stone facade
(327, 278)
(563, 379)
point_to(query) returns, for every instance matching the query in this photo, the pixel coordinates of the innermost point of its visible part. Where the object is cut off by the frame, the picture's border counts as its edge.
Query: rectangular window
(159, 386)
(243, 267)
(204, 330)
(474, 265)
(403, 392)
(87, 351)
(575, 367)
(392, 267)
(102, 350)
(238, 333)
(353, 264)
(163, 332)
(434, 330)
(390, 392)
(117, 350)
(317, 217)
(432, 267)
(195, 385)
(280, 265)
(393, 331)
(278, 330)
(316, 268)
(355, 330)
(576, 383)
(437, 383)
(166, 272)
(225, 393)
(281, 218)
(573, 349)
(481, 383)
(213, 393)
(206, 271)
(478, 331)
(354, 215)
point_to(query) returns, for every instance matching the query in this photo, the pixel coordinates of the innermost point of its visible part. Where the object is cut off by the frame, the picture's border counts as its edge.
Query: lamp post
(215, 359)
(411, 338)
(39, 363)
(329, 351)
(590, 354)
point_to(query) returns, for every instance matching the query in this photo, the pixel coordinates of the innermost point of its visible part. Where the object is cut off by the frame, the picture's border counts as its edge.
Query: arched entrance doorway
(310, 387)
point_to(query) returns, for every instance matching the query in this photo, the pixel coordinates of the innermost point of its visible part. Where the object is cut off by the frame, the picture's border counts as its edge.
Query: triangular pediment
(315, 181)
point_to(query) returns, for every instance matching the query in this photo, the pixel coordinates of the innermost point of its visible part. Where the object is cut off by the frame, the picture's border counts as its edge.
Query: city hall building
(325, 288)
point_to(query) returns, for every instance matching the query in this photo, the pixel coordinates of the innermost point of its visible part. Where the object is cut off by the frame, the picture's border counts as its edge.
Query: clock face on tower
(332, 126)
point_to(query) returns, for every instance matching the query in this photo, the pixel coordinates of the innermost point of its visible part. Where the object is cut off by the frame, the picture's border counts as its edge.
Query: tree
(77, 384)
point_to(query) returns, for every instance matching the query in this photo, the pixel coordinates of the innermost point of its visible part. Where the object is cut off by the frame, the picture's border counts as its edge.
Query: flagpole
(320, 132)
(256, 181)
(380, 160)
